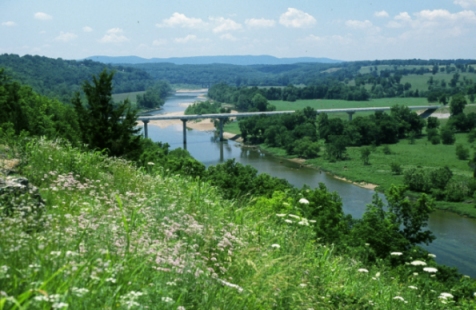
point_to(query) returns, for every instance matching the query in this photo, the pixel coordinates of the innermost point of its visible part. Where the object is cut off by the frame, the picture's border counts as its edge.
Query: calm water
(455, 244)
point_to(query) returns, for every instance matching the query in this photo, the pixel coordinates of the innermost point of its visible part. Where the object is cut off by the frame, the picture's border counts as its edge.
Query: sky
(339, 29)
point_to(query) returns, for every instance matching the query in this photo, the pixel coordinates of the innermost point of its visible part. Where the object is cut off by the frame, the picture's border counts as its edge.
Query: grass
(131, 96)
(117, 237)
(420, 154)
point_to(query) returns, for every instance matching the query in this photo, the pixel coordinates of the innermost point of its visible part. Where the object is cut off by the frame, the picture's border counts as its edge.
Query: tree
(457, 104)
(259, 102)
(365, 155)
(103, 125)
(447, 135)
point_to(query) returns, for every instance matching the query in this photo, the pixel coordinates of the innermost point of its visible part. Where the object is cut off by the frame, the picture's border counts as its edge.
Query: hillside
(60, 78)
(126, 238)
(243, 60)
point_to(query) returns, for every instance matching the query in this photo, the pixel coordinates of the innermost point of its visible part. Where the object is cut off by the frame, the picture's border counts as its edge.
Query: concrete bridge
(428, 110)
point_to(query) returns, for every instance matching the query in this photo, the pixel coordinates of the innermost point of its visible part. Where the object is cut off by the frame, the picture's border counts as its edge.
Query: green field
(123, 96)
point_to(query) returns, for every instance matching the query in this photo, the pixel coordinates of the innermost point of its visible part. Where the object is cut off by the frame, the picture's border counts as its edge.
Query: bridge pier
(184, 121)
(350, 115)
(146, 132)
(222, 121)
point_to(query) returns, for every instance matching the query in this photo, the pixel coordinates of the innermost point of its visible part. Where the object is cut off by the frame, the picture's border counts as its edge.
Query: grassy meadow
(112, 236)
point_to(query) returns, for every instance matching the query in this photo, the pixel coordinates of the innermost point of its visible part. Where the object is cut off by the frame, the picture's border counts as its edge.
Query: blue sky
(339, 29)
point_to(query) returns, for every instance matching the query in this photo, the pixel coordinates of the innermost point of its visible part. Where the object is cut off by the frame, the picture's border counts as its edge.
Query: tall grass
(117, 237)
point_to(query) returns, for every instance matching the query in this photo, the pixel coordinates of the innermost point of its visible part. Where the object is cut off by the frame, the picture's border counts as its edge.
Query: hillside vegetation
(114, 236)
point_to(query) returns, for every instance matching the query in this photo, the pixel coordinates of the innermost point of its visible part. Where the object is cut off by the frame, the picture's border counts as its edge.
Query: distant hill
(244, 60)
(61, 78)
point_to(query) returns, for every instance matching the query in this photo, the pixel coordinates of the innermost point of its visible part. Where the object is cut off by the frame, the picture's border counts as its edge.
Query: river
(454, 246)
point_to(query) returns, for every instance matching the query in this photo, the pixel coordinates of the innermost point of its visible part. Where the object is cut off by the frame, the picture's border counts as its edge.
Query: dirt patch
(441, 115)
(360, 184)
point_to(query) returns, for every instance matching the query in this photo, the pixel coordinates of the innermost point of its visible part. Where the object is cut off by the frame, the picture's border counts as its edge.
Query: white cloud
(159, 42)
(357, 24)
(180, 20)
(42, 16)
(465, 3)
(260, 23)
(228, 37)
(114, 35)
(186, 39)
(341, 40)
(9, 24)
(225, 24)
(296, 19)
(444, 15)
(87, 29)
(66, 36)
(381, 14)
(400, 20)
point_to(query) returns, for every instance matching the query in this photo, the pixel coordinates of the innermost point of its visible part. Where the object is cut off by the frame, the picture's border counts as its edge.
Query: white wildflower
(238, 288)
(59, 305)
(399, 298)
(363, 270)
(430, 269)
(431, 255)
(396, 253)
(167, 299)
(281, 215)
(304, 201)
(413, 287)
(288, 221)
(294, 216)
(276, 246)
(445, 296)
(418, 263)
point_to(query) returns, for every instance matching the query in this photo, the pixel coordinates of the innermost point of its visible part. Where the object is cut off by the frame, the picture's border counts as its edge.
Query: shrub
(435, 140)
(432, 132)
(416, 180)
(447, 135)
(440, 177)
(396, 168)
(386, 150)
(462, 152)
(472, 135)
(365, 154)
(456, 191)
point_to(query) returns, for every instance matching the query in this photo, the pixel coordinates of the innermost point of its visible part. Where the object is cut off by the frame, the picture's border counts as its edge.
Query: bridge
(428, 110)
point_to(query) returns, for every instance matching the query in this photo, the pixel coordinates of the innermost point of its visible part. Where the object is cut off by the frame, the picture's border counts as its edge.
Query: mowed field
(123, 96)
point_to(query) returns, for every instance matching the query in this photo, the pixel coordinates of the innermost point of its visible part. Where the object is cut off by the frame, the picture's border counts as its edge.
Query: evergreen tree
(104, 125)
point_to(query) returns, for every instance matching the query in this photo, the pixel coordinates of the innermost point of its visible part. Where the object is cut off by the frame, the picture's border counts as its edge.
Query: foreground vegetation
(114, 236)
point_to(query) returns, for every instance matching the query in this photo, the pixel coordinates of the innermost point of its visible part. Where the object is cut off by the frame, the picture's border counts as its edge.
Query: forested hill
(60, 78)
(242, 60)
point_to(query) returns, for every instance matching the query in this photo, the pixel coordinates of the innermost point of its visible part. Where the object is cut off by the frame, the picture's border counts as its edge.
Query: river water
(455, 243)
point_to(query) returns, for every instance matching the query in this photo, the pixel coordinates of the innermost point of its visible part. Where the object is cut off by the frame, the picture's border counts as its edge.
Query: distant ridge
(244, 60)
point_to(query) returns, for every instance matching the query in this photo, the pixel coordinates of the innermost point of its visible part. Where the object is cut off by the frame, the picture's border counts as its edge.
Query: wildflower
(180, 308)
(167, 299)
(288, 221)
(377, 274)
(294, 216)
(363, 270)
(415, 274)
(413, 287)
(303, 285)
(396, 253)
(281, 215)
(80, 292)
(304, 201)
(276, 246)
(59, 305)
(445, 296)
(150, 163)
(238, 288)
(399, 298)
(431, 255)
(430, 269)
(303, 222)
(418, 263)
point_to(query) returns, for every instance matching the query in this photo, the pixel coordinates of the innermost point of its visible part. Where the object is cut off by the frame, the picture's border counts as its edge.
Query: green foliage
(154, 97)
(386, 150)
(432, 122)
(365, 155)
(205, 107)
(456, 191)
(417, 180)
(398, 228)
(447, 135)
(35, 114)
(457, 104)
(396, 168)
(306, 148)
(462, 152)
(59, 78)
(336, 147)
(104, 125)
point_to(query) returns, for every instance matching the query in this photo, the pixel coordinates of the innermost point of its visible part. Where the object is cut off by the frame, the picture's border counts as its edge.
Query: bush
(462, 152)
(472, 135)
(386, 150)
(456, 191)
(365, 155)
(435, 140)
(432, 132)
(447, 135)
(396, 168)
(416, 180)
(440, 177)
